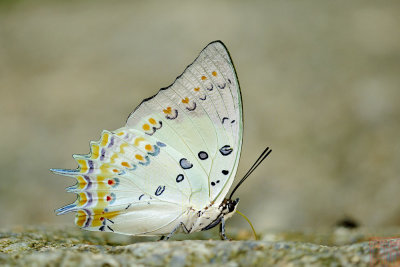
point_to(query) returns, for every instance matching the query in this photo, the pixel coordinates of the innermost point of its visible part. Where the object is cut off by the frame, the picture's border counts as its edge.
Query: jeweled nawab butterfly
(171, 166)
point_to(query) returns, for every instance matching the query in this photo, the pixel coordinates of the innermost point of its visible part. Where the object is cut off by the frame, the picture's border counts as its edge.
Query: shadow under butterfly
(171, 166)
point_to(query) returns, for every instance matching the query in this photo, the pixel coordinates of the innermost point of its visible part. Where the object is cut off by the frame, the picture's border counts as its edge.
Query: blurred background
(320, 83)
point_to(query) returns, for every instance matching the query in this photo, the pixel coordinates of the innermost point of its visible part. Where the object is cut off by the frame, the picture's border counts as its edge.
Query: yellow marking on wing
(104, 140)
(83, 164)
(148, 147)
(101, 183)
(138, 140)
(120, 133)
(95, 151)
(185, 100)
(214, 73)
(197, 89)
(81, 182)
(203, 78)
(105, 169)
(98, 218)
(101, 201)
(113, 158)
(80, 218)
(82, 199)
(122, 146)
(139, 157)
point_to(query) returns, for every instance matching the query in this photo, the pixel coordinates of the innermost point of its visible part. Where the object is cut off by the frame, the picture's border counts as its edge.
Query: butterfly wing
(178, 149)
(200, 115)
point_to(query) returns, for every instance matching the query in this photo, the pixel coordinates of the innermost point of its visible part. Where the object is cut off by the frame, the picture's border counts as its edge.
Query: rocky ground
(69, 246)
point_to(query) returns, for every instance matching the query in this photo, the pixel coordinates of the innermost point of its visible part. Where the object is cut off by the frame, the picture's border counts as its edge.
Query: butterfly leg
(222, 229)
(175, 229)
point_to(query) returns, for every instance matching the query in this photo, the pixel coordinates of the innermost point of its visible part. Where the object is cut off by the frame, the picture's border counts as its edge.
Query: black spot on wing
(185, 164)
(214, 183)
(203, 155)
(225, 172)
(180, 178)
(226, 150)
(193, 107)
(160, 190)
(173, 117)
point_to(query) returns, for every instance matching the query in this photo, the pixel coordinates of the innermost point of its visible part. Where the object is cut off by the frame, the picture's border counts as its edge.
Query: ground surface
(68, 246)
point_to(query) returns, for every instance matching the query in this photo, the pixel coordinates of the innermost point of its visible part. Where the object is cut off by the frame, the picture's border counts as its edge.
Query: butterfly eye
(232, 204)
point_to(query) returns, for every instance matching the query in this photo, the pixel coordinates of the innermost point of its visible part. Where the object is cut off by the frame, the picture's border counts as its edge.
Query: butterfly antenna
(260, 159)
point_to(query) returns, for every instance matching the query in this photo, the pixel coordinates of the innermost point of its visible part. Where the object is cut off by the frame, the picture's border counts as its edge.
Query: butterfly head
(228, 207)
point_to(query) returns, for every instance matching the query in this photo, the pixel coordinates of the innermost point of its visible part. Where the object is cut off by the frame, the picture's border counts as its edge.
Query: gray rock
(48, 246)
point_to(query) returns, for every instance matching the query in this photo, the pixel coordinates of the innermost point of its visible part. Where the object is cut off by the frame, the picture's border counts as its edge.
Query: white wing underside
(179, 149)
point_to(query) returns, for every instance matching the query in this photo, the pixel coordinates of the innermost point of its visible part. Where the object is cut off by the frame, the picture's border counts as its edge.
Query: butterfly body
(170, 167)
(209, 217)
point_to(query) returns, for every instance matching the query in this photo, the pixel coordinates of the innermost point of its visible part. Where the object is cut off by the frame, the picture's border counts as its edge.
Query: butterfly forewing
(201, 114)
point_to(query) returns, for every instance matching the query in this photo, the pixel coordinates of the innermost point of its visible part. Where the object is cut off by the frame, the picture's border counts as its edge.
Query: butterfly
(171, 166)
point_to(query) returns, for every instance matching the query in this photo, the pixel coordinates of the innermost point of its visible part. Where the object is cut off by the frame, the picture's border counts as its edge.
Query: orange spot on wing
(214, 73)
(148, 147)
(146, 127)
(167, 111)
(185, 100)
(125, 164)
(152, 121)
(197, 89)
(203, 78)
(115, 170)
(139, 157)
